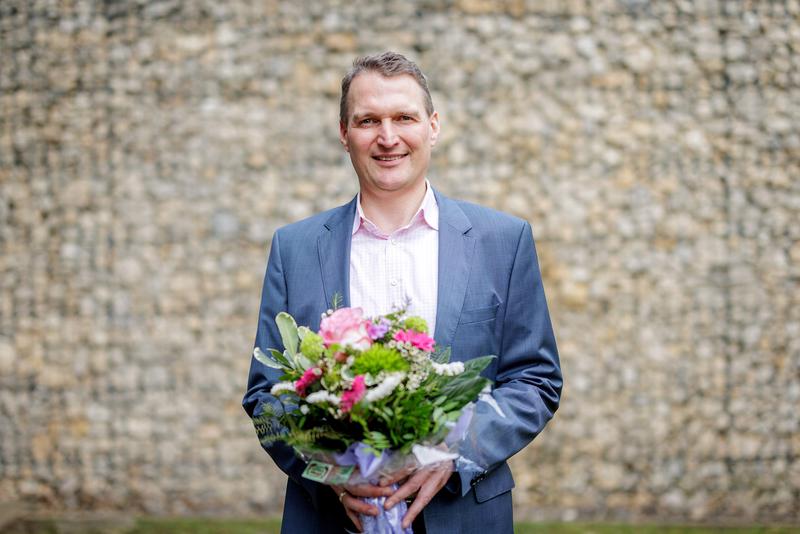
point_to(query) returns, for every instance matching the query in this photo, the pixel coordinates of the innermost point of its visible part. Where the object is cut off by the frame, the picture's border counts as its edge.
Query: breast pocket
(479, 315)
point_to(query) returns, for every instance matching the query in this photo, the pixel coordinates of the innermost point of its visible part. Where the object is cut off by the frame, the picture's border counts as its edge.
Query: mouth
(388, 158)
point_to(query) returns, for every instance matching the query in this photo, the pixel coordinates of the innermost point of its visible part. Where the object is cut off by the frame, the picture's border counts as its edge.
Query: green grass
(595, 528)
(197, 525)
(206, 526)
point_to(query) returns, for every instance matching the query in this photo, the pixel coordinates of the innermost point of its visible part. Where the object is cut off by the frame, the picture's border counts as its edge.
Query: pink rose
(345, 327)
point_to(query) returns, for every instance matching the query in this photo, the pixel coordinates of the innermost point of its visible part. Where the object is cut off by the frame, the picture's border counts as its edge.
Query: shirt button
(393, 282)
(393, 241)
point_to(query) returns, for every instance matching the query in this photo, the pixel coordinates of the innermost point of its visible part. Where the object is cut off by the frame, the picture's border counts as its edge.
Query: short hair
(387, 64)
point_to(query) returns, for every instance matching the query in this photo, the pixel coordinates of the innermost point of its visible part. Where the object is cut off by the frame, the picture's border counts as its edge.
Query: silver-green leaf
(301, 362)
(279, 357)
(288, 329)
(266, 360)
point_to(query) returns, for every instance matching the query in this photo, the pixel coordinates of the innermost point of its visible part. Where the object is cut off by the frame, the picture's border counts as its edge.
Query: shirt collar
(428, 211)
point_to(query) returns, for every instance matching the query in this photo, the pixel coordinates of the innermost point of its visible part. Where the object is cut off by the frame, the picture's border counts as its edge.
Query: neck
(392, 210)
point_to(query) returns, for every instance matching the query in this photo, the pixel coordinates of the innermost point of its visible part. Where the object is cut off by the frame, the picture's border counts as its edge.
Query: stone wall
(149, 149)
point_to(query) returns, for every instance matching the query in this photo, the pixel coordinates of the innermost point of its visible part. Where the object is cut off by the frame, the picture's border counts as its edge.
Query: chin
(389, 182)
(394, 185)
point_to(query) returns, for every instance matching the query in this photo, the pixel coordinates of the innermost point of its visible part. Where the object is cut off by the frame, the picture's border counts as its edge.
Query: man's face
(388, 133)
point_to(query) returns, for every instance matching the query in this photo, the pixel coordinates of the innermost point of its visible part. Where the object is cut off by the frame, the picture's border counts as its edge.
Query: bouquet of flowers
(365, 398)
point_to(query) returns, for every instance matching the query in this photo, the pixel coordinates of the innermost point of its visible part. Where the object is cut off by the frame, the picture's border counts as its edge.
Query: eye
(406, 118)
(366, 122)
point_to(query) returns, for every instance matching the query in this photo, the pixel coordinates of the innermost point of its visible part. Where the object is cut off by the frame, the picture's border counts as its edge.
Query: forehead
(371, 92)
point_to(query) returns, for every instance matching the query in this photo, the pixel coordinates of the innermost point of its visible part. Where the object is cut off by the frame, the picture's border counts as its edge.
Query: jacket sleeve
(262, 378)
(528, 381)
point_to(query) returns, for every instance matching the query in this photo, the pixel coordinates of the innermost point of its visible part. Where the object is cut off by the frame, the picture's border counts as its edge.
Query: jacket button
(477, 479)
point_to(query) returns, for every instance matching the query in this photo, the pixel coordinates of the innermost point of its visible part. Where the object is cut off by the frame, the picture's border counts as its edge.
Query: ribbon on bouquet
(387, 521)
(364, 457)
(369, 465)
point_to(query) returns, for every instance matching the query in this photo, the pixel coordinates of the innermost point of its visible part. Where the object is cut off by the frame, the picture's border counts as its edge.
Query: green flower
(332, 379)
(378, 358)
(417, 324)
(312, 346)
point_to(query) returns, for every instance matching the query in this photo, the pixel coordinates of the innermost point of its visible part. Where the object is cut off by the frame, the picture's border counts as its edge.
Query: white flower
(304, 409)
(385, 388)
(281, 387)
(321, 396)
(415, 380)
(448, 369)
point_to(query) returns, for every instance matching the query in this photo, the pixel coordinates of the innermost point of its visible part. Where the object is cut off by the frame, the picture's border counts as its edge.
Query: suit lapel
(455, 255)
(333, 246)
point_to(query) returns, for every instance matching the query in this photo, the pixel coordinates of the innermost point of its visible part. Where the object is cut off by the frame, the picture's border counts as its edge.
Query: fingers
(397, 477)
(355, 519)
(426, 483)
(353, 505)
(368, 490)
(429, 488)
(408, 488)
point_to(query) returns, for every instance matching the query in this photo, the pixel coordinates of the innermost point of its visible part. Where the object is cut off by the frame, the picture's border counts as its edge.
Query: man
(471, 272)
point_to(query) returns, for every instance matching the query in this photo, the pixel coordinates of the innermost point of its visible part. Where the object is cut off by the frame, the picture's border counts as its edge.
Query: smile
(391, 157)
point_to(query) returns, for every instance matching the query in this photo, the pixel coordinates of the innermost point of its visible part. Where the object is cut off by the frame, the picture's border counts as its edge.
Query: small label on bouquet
(327, 473)
(340, 475)
(317, 471)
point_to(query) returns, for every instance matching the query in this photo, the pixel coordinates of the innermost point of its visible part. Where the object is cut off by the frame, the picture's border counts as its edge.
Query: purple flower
(377, 331)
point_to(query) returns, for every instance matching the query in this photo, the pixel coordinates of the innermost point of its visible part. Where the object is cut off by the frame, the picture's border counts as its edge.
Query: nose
(387, 135)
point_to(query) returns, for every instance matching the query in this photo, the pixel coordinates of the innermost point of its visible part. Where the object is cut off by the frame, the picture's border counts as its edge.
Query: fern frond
(310, 438)
(268, 428)
(336, 301)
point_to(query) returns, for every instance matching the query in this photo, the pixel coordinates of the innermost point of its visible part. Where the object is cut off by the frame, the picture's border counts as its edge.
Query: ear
(434, 123)
(343, 136)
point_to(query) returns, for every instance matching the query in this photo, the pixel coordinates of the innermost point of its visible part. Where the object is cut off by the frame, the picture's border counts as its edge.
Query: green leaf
(289, 376)
(288, 329)
(337, 300)
(459, 393)
(441, 355)
(301, 361)
(478, 364)
(377, 441)
(266, 360)
(268, 426)
(465, 387)
(279, 357)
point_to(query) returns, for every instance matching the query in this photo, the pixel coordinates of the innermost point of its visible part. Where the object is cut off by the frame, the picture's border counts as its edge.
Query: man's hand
(350, 495)
(426, 483)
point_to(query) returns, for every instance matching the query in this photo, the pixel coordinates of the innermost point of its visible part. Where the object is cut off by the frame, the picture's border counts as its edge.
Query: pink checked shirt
(388, 270)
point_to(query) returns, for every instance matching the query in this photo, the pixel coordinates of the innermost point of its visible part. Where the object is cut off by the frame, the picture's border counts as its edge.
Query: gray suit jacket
(490, 301)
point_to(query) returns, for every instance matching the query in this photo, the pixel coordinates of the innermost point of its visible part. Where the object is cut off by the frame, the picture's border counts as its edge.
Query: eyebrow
(358, 116)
